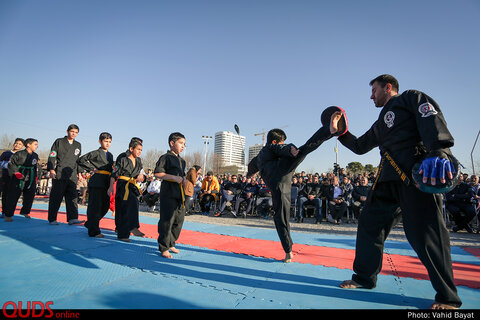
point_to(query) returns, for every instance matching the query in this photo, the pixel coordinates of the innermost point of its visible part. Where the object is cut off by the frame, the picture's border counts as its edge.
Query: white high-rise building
(231, 148)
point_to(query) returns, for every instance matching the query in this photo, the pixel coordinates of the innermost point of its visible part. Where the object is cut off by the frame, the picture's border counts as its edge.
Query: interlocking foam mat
(219, 267)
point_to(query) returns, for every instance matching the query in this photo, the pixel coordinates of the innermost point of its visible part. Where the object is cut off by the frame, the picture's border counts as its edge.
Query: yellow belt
(103, 172)
(129, 181)
(181, 191)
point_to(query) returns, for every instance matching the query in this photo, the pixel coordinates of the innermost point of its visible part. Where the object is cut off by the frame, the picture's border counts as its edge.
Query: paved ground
(225, 263)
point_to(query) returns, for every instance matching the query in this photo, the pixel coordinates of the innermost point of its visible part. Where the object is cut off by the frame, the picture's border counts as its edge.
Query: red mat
(466, 274)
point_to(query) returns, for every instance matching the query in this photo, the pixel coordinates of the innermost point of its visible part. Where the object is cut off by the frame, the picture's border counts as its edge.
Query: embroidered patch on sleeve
(53, 154)
(427, 109)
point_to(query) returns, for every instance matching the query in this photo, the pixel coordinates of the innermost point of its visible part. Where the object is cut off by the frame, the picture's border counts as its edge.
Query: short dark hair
(277, 135)
(104, 135)
(197, 167)
(73, 126)
(384, 79)
(175, 136)
(21, 140)
(29, 141)
(134, 142)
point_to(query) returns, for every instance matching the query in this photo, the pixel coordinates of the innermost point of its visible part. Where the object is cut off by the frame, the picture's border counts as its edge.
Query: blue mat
(63, 265)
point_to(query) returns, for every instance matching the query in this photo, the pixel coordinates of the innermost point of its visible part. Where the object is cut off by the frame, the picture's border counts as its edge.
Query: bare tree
(150, 158)
(7, 141)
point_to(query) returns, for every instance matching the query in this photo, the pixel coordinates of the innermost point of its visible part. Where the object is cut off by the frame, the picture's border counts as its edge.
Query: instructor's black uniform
(172, 209)
(410, 127)
(63, 159)
(98, 198)
(26, 164)
(277, 166)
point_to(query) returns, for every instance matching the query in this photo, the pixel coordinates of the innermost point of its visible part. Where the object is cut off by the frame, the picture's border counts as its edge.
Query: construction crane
(264, 134)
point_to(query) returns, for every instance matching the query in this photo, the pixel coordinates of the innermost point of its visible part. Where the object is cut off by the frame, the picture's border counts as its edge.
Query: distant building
(229, 149)
(253, 151)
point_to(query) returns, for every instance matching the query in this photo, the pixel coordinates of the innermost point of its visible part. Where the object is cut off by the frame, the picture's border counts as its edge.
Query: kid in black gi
(127, 171)
(410, 126)
(99, 161)
(170, 168)
(5, 181)
(62, 164)
(277, 163)
(22, 170)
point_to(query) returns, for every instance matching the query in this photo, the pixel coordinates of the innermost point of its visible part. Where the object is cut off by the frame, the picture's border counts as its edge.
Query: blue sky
(148, 68)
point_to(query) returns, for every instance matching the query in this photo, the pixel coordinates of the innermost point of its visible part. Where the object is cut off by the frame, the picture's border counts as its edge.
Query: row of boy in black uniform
(119, 178)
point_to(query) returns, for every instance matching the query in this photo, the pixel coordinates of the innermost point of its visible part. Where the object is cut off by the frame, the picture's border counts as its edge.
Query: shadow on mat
(71, 244)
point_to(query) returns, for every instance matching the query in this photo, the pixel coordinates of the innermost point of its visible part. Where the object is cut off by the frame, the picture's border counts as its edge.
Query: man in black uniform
(62, 164)
(410, 128)
(100, 162)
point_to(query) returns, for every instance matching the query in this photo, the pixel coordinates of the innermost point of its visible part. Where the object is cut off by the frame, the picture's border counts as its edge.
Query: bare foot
(124, 239)
(288, 257)
(174, 250)
(8, 219)
(26, 216)
(349, 284)
(441, 306)
(166, 254)
(334, 121)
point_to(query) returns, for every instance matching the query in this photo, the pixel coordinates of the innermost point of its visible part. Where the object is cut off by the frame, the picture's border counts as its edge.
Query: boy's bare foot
(8, 219)
(166, 254)
(137, 232)
(441, 306)
(26, 216)
(350, 284)
(174, 250)
(288, 257)
(334, 121)
(124, 239)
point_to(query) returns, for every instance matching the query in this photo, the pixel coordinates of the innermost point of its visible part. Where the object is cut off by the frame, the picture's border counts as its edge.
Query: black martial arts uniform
(63, 159)
(5, 181)
(410, 127)
(126, 194)
(277, 166)
(98, 198)
(26, 164)
(172, 197)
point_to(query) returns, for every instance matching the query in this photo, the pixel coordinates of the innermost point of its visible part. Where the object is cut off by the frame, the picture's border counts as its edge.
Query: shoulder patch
(389, 119)
(427, 109)
(53, 154)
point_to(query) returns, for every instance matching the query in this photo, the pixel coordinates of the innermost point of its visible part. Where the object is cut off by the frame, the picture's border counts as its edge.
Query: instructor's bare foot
(288, 257)
(349, 284)
(441, 306)
(26, 215)
(174, 250)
